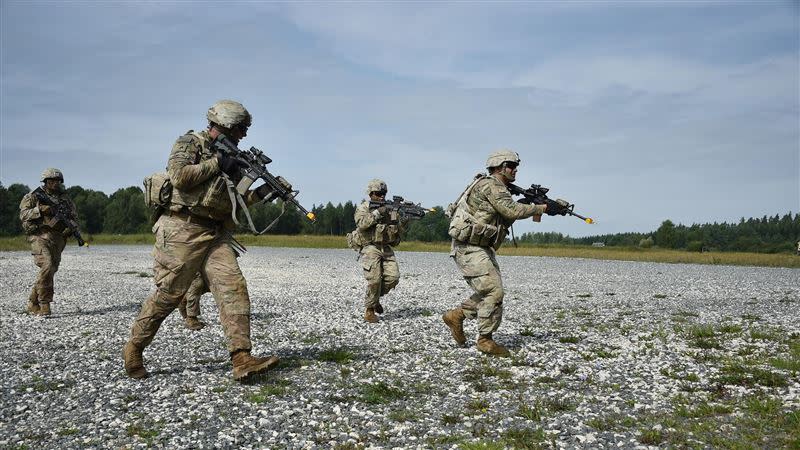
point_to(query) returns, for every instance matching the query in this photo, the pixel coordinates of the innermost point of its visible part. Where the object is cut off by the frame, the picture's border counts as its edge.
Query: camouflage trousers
(479, 267)
(191, 301)
(380, 270)
(46, 249)
(183, 250)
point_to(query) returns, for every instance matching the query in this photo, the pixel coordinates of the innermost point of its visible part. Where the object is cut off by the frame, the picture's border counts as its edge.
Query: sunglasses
(511, 165)
(378, 193)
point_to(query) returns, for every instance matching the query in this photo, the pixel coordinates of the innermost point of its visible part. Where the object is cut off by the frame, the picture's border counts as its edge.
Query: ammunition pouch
(355, 241)
(464, 227)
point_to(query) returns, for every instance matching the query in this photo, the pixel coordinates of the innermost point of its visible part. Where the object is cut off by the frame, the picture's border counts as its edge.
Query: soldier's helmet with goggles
(377, 185)
(52, 173)
(497, 158)
(229, 114)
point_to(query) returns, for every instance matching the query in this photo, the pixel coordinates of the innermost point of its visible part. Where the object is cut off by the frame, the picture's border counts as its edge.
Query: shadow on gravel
(133, 306)
(406, 313)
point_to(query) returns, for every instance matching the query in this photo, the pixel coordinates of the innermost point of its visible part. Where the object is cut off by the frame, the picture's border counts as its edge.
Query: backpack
(157, 193)
(354, 241)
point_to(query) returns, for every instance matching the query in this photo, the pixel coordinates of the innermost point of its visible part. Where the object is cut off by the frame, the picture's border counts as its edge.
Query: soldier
(376, 232)
(193, 236)
(480, 219)
(48, 217)
(189, 306)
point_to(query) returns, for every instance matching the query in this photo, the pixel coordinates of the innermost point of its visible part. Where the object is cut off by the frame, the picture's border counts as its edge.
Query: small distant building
(598, 244)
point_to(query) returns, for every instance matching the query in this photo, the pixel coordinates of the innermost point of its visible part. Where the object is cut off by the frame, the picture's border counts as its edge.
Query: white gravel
(63, 385)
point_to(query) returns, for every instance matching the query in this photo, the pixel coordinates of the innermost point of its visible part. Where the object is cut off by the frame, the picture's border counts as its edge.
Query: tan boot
(370, 316)
(454, 319)
(194, 324)
(490, 347)
(44, 309)
(33, 302)
(134, 364)
(245, 366)
(379, 308)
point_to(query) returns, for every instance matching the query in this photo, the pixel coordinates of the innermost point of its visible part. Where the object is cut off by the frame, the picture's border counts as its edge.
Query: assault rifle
(61, 214)
(406, 210)
(253, 166)
(537, 195)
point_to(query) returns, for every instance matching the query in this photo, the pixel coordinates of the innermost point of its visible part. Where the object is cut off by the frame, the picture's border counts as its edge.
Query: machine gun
(537, 195)
(253, 166)
(406, 210)
(62, 215)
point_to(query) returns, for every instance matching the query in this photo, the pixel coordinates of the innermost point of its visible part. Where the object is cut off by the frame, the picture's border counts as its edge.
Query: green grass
(403, 415)
(569, 339)
(531, 412)
(277, 387)
(337, 355)
(379, 393)
(16, 243)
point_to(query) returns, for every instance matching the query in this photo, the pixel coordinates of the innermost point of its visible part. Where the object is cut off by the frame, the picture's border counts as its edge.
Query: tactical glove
(45, 209)
(229, 165)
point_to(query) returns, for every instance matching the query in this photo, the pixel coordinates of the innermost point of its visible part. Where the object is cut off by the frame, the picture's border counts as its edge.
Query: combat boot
(454, 319)
(490, 347)
(370, 316)
(44, 309)
(246, 366)
(134, 364)
(378, 308)
(194, 324)
(33, 302)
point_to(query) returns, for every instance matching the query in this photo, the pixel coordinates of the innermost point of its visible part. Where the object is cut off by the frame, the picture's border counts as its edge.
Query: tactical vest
(210, 198)
(470, 226)
(382, 233)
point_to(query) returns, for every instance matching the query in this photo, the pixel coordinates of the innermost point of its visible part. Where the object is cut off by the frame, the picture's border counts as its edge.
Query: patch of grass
(450, 419)
(311, 339)
(701, 330)
(68, 431)
(524, 438)
(569, 339)
(531, 412)
(444, 440)
(587, 295)
(145, 430)
(790, 364)
(651, 437)
(560, 404)
(482, 445)
(337, 355)
(478, 404)
(659, 296)
(219, 389)
(751, 317)
(730, 328)
(740, 375)
(603, 353)
(569, 369)
(545, 379)
(705, 343)
(527, 332)
(278, 387)
(403, 415)
(379, 393)
(485, 370)
(765, 334)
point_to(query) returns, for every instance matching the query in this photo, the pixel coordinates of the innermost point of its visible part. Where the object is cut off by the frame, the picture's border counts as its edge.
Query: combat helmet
(52, 172)
(498, 157)
(229, 114)
(376, 185)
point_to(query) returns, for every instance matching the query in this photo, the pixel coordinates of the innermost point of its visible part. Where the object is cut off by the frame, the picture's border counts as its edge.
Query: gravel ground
(603, 351)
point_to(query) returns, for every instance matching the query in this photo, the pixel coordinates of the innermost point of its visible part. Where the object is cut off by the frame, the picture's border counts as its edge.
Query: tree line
(124, 212)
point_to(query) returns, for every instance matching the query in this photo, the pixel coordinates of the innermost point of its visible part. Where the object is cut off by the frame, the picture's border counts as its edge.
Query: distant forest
(124, 212)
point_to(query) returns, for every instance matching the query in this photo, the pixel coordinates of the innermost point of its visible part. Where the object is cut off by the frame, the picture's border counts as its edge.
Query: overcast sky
(636, 111)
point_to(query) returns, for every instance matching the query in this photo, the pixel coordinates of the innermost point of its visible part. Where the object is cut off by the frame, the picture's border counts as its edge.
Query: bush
(694, 246)
(646, 243)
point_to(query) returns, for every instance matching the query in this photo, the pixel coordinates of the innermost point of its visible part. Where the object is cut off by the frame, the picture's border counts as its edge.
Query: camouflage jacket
(197, 180)
(35, 221)
(484, 216)
(372, 230)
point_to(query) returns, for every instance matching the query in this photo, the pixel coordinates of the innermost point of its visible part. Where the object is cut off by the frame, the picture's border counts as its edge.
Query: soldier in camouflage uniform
(189, 307)
(376, 232)
(193, 236)
(479, 223)
(46, 234)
